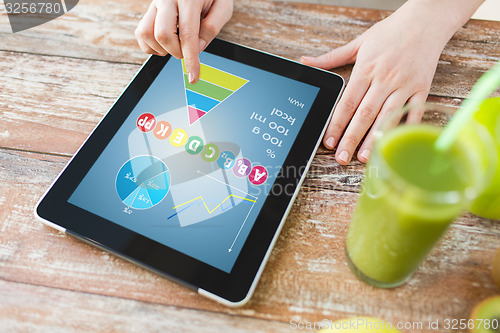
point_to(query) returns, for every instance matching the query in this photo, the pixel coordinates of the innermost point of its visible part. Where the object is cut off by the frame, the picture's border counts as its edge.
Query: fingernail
(330, 142)
(365, 154)
(305, 59)
(202, 45)
(190, 78)
(344, 156)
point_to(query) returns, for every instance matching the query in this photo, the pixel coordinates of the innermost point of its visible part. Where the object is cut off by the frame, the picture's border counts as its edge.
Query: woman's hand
(198, 22)
(395, 62)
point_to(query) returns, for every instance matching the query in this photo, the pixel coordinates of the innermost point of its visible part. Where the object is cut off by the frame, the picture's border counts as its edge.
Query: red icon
(146, 122)
(258, 175)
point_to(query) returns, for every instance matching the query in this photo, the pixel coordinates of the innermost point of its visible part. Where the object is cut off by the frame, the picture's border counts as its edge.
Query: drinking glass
(412, 192)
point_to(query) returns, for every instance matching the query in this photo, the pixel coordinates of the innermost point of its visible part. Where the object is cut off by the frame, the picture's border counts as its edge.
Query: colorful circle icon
(194, 145)
(258, 175)
(146, 122)
(226, 160)
(210, 153)
(178, 137)
(162, 130)
(143, 182)
(242, 167)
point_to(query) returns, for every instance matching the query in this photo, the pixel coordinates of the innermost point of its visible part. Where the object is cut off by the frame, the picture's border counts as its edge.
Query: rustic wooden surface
(59, 79)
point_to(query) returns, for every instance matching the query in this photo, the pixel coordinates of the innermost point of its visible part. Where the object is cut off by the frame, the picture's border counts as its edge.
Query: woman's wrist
(441, 19)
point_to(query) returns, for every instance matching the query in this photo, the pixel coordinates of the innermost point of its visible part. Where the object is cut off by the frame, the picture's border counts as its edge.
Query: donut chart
(143, 182)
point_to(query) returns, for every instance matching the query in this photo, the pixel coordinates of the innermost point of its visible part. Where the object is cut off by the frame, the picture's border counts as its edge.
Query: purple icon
(242, 167)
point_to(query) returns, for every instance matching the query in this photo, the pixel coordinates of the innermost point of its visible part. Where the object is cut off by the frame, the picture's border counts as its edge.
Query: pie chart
(143, 182)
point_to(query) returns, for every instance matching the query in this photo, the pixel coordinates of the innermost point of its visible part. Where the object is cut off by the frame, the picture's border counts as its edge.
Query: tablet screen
(192, 165)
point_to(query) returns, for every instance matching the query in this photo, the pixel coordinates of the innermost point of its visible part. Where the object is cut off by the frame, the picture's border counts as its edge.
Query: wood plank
(286, 29)
(306, 278)
(91, 30)
(27, 130)
(29, 308)
(292, 30)
(65, 97)
(51, 104)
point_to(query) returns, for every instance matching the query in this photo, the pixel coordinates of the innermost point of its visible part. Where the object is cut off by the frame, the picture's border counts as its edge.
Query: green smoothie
(409, 197)
(488, 204)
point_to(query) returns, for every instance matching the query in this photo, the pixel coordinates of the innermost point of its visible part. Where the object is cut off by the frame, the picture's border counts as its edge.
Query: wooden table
(59, 79)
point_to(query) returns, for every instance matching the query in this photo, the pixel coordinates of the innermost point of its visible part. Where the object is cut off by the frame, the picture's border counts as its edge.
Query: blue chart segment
(143, 182)
(201, 102)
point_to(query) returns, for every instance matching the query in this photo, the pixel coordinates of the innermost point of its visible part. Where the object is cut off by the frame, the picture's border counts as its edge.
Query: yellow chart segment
(218, 77)
(208, 209)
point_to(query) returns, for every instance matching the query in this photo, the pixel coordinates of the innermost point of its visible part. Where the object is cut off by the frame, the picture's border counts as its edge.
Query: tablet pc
(194, 181)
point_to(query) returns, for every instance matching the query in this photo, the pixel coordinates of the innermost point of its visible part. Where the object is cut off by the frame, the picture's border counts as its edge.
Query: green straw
(483, 88)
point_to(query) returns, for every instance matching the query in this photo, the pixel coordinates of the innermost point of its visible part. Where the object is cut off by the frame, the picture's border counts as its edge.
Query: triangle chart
(213, 88)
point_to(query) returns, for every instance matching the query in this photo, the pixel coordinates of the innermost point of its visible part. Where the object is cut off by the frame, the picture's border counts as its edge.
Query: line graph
(195, 201)
(204, 199)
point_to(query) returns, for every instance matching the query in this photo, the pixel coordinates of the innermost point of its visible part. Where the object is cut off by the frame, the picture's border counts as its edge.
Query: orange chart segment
(213, 87)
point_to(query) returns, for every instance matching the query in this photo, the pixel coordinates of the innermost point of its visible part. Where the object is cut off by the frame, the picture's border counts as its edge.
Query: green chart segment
(213, 87)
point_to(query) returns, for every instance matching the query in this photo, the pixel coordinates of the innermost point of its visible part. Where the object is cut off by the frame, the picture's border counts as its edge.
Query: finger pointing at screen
(182, 28)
